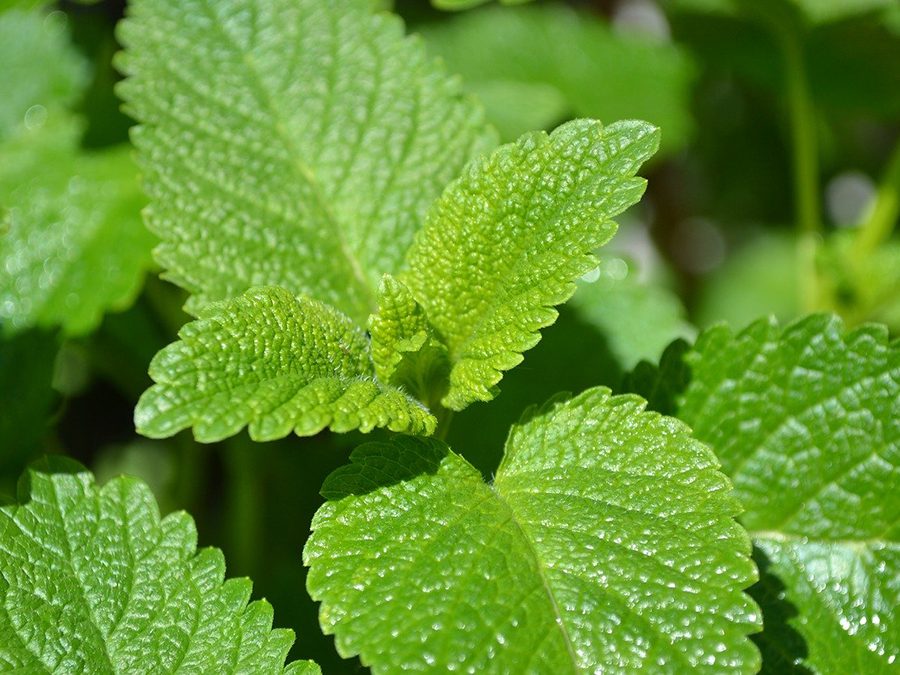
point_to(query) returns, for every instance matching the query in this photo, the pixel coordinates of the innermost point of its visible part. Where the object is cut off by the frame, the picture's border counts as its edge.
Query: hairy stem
(444, 416)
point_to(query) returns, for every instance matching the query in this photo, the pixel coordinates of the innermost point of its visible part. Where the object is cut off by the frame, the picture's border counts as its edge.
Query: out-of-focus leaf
(454, 5)
(533, 66)
(759, 279)
(39, 70)
(73, 245)
(638, 318)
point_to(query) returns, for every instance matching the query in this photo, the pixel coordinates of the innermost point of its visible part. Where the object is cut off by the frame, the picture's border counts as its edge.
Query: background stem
(805, 158)
(882, 216)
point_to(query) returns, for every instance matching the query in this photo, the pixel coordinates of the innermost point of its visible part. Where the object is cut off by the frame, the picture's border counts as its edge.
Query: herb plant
(360, 253)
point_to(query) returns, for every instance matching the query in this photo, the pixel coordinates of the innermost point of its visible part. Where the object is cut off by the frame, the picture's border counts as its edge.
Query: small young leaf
(295, 143)
(605, 543)
(507, 240)
(275, 363)
(405, 351)
(73, 245)
(806, 421)
(91, 580)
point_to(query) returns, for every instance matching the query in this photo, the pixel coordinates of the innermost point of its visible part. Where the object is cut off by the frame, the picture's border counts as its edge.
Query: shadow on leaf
(783, 648)
(374, 466)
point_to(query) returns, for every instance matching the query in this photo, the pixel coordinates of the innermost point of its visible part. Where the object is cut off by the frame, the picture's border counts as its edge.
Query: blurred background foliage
(775, 192)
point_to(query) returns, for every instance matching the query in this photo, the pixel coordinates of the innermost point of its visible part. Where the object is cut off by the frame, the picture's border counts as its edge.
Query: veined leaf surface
(275, 363)
(606, 542)
(92, 580)
(507, 240)
(295, 143)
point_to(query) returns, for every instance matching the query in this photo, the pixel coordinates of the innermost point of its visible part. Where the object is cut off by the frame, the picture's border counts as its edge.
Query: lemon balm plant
(361, 253)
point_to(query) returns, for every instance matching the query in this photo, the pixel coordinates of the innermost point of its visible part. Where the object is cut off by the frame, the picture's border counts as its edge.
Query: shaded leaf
(73, 245)
(535, 66)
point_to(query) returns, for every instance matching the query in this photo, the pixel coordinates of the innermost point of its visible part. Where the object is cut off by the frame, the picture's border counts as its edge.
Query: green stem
(879, 222)
(191, 471)
(166, 304)
(805, 157)
(243, 498)
(444, 416)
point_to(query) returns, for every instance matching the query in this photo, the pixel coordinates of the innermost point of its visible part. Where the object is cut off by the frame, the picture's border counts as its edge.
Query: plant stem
(805, 159)
(882, 216)
(191, 471)
(243, 498)
(166, 304)
(444, 416)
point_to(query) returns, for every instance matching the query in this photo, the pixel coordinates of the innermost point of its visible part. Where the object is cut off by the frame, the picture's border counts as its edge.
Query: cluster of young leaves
(452, 286)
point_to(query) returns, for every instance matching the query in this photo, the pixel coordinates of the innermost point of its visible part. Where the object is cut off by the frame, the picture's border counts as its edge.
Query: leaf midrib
(545, 582)
(304, 172)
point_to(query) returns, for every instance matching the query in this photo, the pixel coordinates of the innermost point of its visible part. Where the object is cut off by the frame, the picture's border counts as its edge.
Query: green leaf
(41, 71)
(639, 318)
(73, 245)
(535, 66)
(758, 279)
(507, 240)
(290, 143)
(605, 543)
(806, 421)
(92, 580)
(275, 363)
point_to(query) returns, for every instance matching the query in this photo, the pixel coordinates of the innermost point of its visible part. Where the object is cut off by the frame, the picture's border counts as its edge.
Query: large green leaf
(91, 580)
(535, 66)
(806, 421)
(291, 143)
(508, 239)
(276, 363)
(605, 543)
(72, 244)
